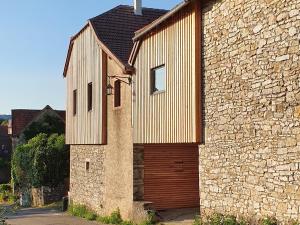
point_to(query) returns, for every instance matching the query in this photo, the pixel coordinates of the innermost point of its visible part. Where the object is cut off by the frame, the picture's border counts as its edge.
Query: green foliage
(6, 194)
(90, 216)
(268, 221)
(219, 219)
(81, 211)
(5, 187)
(198, 221)
(48, 124)
(77, 210)
(43, 161)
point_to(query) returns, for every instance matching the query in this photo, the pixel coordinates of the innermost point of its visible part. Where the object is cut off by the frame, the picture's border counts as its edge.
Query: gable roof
(146, 29)
(115, 29)
(21, 118)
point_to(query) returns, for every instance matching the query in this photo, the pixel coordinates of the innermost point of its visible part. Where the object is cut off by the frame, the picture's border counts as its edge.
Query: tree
(43, 161)
(47, 124)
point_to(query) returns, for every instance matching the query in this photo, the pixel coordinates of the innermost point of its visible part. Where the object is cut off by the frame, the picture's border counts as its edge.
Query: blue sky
(34, 38)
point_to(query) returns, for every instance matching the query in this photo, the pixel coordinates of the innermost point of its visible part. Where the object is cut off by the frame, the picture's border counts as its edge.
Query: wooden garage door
(171, 178)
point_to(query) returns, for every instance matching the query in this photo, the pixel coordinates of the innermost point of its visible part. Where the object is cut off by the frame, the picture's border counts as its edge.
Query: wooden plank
(104, 98)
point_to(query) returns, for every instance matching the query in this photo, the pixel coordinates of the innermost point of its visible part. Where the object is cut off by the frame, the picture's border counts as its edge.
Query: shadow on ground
(179, 216)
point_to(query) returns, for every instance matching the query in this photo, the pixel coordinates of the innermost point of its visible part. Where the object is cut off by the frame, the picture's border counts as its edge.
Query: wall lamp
(119, 78)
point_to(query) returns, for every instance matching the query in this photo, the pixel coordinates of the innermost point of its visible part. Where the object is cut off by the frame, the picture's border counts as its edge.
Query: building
(5, 155)
(25, 119)
(211, 118)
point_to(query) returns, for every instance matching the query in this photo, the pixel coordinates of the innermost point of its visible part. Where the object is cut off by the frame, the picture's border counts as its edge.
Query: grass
(114, 218)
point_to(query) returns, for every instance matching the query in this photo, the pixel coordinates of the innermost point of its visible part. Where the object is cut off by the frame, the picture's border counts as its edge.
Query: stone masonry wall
(87, 187)
(138, 172)
(250, 161)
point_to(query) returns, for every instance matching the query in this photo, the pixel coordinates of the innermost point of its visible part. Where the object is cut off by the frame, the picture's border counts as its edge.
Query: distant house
(5, 154)
(23, 119)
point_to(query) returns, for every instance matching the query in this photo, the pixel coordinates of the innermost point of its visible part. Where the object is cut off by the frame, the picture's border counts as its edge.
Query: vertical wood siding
(85, 66)
(168, 117)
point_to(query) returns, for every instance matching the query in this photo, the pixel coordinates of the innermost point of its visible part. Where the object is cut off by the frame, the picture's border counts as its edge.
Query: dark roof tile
(116, 27)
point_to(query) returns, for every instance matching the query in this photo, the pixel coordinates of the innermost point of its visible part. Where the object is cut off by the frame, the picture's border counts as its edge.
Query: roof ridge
(128, 6)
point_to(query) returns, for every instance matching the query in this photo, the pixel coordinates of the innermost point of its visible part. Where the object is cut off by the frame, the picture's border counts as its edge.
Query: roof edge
(142, 32)
(125, 67)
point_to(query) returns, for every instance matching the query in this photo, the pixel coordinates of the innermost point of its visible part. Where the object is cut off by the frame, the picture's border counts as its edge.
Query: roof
(22, 117)
(116, 27)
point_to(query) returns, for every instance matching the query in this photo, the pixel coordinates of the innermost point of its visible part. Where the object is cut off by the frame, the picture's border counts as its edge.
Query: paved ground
(34, 216)
(179, 216)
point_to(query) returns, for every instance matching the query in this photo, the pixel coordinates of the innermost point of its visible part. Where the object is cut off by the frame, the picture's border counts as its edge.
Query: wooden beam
(198, 70)
(104, 98)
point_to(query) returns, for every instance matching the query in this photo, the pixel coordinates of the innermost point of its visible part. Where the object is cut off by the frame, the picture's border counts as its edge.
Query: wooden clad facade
(171, 116)
(86, 64)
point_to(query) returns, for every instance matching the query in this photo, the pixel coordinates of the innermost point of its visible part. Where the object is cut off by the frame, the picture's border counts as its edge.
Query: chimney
(138, 7)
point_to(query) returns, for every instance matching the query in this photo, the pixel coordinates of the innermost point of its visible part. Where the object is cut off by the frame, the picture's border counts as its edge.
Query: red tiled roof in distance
(22, 117)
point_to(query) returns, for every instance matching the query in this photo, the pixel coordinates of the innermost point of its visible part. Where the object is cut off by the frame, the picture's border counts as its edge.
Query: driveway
(33, 216)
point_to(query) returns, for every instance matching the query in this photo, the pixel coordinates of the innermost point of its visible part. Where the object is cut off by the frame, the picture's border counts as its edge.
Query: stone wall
(108, 184)
(47, 195)
(250, 161)
(87, 187)
(138, 172)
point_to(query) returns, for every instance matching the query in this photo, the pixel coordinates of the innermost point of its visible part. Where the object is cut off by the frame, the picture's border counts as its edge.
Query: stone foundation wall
(87, 187)
(138, 172)
(47, 195)
(250, 161)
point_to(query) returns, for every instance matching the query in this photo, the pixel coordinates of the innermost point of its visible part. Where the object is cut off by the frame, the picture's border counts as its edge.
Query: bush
(198, 221)
(5, 188)
(90, 216)
(43, 161)
(268, 221)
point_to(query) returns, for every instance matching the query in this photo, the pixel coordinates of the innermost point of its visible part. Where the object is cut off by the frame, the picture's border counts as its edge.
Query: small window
(87, 166)
(74, 102)
(158, 79)
(117, 99)
(90, 96)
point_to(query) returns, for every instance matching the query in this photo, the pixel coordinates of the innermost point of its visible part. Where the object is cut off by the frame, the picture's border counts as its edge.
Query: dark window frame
(74, 102)
(117, 94)
(153, 80)
(90, 96)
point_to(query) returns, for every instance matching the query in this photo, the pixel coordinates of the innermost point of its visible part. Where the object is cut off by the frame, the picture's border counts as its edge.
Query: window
(74, 102)
(117, 99)
(158, 79)
(87, 166)
(90, 96)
